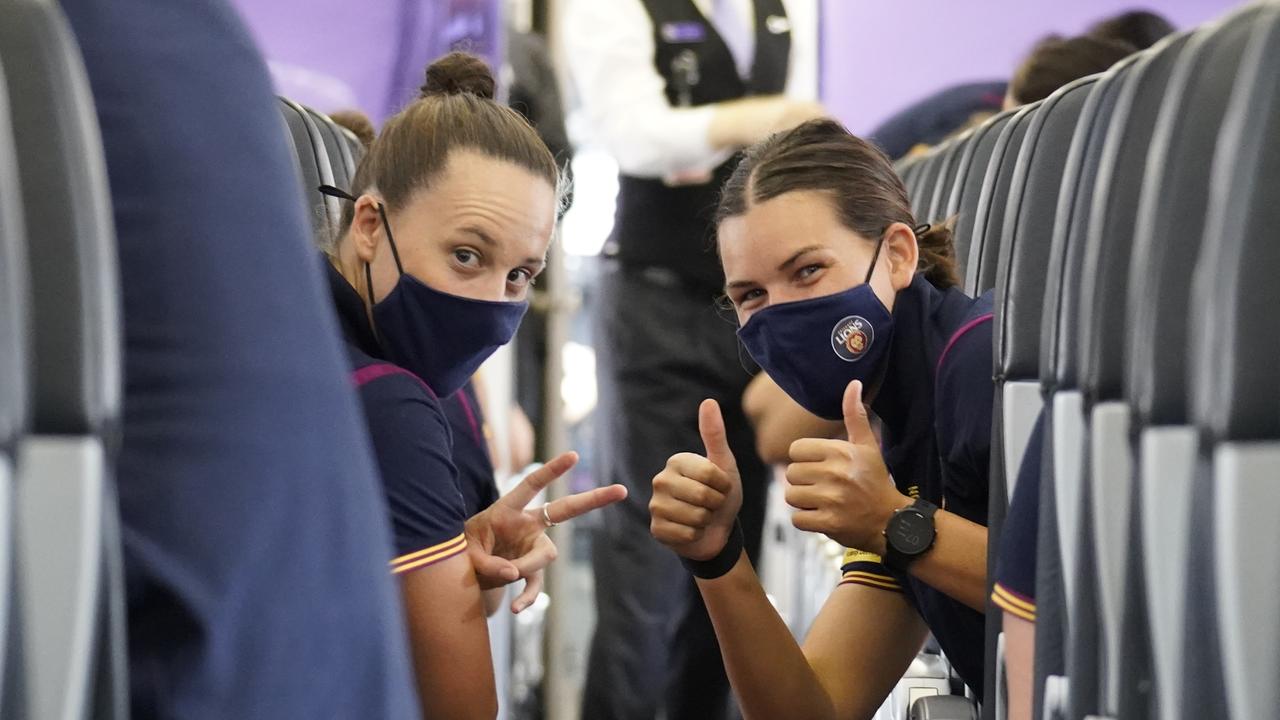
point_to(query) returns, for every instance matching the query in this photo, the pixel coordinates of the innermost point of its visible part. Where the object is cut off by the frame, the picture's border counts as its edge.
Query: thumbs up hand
(840, 488)
(695, 498)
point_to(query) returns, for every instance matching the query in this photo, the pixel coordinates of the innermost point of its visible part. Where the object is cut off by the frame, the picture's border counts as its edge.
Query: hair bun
(458, 73)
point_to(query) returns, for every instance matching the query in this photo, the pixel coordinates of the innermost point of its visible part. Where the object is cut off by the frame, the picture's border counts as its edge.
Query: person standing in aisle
(673, 89)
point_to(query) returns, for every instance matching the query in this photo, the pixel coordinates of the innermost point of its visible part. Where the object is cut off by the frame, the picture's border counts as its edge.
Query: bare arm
(859, 646)
(449, 641)
(779, 421)
(1019, 659)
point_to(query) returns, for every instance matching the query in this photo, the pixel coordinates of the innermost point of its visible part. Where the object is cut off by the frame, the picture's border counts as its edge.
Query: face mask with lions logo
(814, 348)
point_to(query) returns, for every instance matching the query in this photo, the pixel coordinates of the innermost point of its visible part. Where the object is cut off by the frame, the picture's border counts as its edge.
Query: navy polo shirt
(411, 441)
(935, 406)
(471, 449)
(1015, 582)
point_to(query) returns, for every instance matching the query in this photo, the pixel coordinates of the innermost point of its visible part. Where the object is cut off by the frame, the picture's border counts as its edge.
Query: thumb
(714, 438)
(856, 422)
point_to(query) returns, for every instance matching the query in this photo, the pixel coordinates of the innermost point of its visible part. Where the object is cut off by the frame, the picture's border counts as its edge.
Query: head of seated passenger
(1139, 28)
(358, 123)
(816, 211)
(1056, 61)
(457, 192)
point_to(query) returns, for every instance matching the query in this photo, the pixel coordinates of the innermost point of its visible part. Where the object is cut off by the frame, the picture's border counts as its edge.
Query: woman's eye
(520, 277)
(808, 271)
(466, 257)
(750, 295)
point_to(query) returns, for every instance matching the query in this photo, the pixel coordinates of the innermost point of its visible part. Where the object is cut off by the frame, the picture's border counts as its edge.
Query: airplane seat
(15, 373)
(991, 202)
(335, 144)
(70, 582)
(940, 193)
(1056, 548)
(1020, 279)
(1108, 248)
(256, 536)
(1235, 384)
(324, 212)
(907, 168)
(968, 189)
(1167, 238)
(355, 148)
(921, 192)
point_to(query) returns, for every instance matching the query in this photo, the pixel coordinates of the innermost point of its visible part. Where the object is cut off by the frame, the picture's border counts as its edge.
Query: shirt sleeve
(864, 568)
(610, 47)
(1015, 583)
(411, 439)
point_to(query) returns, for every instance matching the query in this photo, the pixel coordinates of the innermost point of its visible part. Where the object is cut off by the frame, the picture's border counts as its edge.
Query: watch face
(910, 533)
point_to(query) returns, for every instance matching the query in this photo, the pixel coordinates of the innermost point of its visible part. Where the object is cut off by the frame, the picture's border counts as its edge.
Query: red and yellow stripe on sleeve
(429, 556)
(1013, 603)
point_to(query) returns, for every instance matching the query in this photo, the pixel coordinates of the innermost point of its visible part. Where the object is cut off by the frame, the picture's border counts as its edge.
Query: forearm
(770, 674)
(957, 562)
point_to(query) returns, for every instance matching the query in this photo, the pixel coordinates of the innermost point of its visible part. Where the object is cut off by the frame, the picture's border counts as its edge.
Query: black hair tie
(339, 193)
(922, 229)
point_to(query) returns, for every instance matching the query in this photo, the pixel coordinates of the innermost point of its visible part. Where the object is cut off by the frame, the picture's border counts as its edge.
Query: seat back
(1033, 198)
(313, 159)
(990, 212)
(968, 189)
(64, 497)
(921, 191)
(1104, 287)
(1056, 548)
(1236, 386)
(940, 194)
(1167, 237)
(335, 145)
(15, 370)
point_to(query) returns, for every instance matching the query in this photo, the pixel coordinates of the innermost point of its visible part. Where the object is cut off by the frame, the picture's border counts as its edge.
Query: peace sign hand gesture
(507, 541)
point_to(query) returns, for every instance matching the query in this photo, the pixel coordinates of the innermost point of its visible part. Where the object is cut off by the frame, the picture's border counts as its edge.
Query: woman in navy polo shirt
(447, 224)
(843, 299)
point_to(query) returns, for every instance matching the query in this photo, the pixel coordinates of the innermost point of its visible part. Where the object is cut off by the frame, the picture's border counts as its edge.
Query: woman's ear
(366, 229)
(903, 252)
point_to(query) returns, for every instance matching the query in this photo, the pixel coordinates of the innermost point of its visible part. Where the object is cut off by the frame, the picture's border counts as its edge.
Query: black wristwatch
(909, 534)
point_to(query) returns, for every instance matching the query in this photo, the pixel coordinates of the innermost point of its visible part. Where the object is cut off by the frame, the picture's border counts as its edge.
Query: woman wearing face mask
(844, 300)
(448, 222)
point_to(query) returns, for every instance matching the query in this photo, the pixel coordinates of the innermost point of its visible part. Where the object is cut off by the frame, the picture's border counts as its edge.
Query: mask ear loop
(341, 194)
(875, 258)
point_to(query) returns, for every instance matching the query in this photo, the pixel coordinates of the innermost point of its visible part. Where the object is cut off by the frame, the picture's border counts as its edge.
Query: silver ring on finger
(546, 517)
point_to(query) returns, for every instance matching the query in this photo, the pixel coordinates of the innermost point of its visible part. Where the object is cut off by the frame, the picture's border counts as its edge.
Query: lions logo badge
(852, 337)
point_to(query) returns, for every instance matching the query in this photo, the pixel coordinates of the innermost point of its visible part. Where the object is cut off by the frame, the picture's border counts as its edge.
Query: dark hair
(1056, 61)
(1139, 28)
(455, 111)
(358, 123)
(868, 195)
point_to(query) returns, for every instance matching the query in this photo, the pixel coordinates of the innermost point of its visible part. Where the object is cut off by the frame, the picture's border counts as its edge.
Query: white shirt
(610, 49)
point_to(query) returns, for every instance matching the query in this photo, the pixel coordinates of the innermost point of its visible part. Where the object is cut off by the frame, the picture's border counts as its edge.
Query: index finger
(522, 494)
(568, 508)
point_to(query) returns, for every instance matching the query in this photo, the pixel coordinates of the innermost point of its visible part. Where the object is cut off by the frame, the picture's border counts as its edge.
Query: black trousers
(661, 348)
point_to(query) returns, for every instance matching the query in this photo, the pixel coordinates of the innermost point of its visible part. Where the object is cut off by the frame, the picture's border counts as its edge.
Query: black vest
(672, 227)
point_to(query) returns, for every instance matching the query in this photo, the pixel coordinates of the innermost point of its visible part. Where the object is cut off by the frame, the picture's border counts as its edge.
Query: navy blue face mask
(814, 348)
(441, 338)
